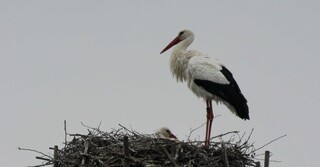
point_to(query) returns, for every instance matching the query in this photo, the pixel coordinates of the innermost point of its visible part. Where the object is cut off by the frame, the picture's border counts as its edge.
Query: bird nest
(128, 148)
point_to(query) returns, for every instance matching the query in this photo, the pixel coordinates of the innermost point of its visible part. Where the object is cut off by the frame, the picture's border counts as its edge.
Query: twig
(249, 136)
(270, 160)
(45, 164)
(192, 130)
(96, 129)
(99, 124)
(127, 130)
(223, 134)
(65, 133)
(268, 143)
(26, 149)
(46, 159)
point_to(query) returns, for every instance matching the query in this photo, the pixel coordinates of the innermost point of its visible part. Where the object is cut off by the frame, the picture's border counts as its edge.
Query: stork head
(183, 35)
(165, 133)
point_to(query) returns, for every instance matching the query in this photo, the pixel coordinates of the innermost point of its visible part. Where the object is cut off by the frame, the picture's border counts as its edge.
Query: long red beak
(172, 43)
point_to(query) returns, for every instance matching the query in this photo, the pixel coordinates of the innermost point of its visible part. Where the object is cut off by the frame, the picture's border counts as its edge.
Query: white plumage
(204, 68)
(206, 77)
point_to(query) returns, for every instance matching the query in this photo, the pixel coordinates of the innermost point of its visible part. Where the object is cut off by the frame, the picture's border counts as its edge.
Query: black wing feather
(230, 93)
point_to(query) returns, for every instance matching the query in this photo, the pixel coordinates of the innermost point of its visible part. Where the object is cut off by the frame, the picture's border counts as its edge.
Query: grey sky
(95, 61)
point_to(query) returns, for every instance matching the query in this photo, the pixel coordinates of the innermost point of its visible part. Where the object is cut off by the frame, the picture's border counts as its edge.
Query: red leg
(209, 122)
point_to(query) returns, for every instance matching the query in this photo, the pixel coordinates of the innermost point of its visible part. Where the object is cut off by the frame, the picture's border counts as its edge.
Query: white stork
(207, 78)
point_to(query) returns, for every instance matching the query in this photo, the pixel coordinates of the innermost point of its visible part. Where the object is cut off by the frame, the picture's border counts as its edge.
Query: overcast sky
(99, 61)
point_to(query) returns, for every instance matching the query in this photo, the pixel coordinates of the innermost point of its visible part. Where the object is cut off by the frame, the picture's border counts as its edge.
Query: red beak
(172, 43)
(173, 136)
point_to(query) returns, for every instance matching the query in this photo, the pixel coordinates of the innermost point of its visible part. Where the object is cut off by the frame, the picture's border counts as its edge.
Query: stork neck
(179, 59)
(179, 63)
(183, 45)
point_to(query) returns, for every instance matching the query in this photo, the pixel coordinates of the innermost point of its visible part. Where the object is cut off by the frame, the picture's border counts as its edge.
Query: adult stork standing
(207, 78)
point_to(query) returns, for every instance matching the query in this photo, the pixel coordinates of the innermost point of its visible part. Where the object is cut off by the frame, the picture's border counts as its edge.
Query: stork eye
(181, 33)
